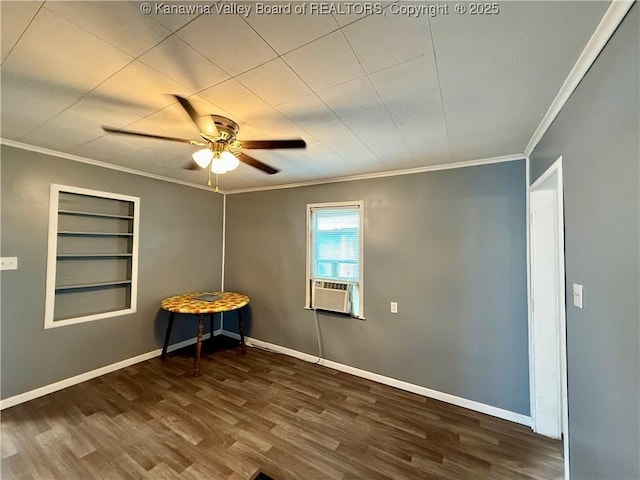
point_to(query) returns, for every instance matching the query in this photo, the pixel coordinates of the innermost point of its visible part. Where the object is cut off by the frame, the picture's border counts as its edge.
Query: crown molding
(391, 173)
(366, 176)
(97, 163)
(603, 32)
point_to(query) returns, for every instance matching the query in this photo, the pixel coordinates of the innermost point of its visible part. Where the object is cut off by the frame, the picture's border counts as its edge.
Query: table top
(186, 303)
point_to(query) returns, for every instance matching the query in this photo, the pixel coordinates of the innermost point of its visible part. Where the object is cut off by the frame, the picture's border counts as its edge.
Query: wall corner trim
(392, 382)
(603, 32)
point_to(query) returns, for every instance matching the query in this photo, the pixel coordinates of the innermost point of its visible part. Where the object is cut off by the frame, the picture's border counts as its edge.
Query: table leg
(167, 336)
(196, 365)
(243, 347)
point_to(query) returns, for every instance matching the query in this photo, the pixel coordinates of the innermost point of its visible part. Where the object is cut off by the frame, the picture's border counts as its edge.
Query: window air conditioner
(332, 296)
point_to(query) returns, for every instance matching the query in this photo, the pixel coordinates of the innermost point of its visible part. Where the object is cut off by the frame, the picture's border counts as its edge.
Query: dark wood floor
(262, 411)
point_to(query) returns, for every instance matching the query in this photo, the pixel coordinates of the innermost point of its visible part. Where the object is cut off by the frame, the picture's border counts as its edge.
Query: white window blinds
(335, 243)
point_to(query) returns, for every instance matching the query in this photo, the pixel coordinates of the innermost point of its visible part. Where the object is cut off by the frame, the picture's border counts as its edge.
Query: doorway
(548, 340)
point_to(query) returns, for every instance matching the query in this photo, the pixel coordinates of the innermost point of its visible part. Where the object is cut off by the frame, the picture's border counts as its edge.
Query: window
(93, 255)
(334, 257)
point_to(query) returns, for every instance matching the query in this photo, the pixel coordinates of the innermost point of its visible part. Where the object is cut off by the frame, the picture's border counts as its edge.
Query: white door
(548, 330)
(544, 305)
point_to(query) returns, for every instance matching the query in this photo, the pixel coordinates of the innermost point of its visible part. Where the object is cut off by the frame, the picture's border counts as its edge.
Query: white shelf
(94, 234)
(94, 214)
(92, 285)
(93, 255)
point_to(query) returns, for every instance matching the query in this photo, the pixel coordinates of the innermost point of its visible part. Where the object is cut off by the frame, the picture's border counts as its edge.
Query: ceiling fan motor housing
(227, 129)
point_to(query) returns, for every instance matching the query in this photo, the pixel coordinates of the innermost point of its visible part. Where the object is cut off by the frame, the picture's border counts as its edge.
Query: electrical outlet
(9, 263)
(394, 307)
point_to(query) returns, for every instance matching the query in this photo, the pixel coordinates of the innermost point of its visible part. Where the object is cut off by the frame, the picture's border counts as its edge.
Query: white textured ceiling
(368, 93)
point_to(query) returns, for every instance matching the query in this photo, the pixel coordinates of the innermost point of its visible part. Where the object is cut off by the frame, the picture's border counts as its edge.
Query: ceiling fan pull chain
(216, 189)
(209, 179)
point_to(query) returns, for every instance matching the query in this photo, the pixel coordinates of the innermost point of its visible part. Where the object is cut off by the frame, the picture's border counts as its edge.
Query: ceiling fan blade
(148, 135)
(273, 144)
(244, 158)
(204, 122)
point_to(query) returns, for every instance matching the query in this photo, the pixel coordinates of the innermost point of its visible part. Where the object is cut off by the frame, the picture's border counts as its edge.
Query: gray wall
(180, 250)
(597, 135)
(448, 246)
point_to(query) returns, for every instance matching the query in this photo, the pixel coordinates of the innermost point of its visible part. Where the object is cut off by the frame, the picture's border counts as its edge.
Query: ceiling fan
(223, 150)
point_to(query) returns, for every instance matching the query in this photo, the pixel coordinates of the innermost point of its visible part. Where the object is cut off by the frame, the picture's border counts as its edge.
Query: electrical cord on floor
(319, 337)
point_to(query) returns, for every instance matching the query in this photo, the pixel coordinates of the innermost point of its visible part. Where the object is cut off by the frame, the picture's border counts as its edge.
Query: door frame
(550, 180)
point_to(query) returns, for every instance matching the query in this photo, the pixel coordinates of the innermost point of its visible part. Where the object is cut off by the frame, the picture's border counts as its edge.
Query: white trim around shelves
(392, 382)
(53, 256)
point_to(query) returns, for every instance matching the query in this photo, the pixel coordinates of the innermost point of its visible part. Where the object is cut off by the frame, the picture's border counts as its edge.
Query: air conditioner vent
(332, 296)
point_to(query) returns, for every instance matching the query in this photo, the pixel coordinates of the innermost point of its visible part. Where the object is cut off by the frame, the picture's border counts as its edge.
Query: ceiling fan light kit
(223, 151)
(203, 157)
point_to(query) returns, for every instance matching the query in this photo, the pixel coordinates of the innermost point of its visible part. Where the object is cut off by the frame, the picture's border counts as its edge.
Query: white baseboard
(83, 377)
(402, 385)
(234, 335)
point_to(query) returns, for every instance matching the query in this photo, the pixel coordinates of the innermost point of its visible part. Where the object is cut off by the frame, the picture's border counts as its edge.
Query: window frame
(359, 204)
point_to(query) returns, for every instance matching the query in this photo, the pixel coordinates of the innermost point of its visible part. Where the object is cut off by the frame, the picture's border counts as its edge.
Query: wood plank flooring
(261, 411)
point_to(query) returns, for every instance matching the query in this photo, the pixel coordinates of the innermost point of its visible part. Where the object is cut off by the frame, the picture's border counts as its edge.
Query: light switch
(577, 295)
(394, 307)
(9, 263)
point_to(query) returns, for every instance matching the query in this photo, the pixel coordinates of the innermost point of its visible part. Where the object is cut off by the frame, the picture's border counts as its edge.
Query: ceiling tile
(414, 78)
(326, 62)
(288, 32)
(274, 82)
(351, 97)
(474, 74)
(67, 131)
(424, 131)
(27, 104)
(20, 14)
(453, 29)
(117, 103)
(313, 116)
(53, 66)
(348, 156)
(177, 60)
(56, 52)
(134, 92)
(384, 40)
(120, 24)
(171, 121)
(228, 41)
(309, 108)
(355, 153)
(346, 17)
(275, 125)
(377, 130)
(236, 99)
(481, 128)
(533, 89)
(129, 153)
(174, 15)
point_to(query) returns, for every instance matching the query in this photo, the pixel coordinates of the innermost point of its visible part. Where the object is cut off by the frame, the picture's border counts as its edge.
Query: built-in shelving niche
(93, 250)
